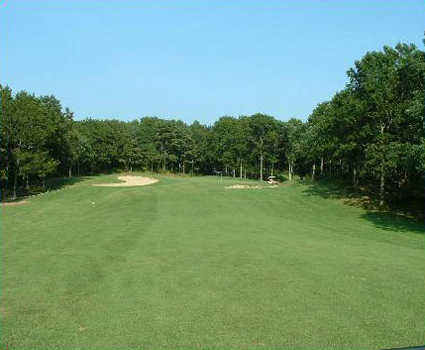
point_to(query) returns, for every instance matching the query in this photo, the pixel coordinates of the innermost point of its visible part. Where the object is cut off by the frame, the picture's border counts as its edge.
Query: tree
(295, 130)
(261, 137)
(387, 81)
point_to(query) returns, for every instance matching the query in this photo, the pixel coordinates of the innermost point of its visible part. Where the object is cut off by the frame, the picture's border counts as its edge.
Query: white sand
(11, 204)
(247, 187)
(129, 181)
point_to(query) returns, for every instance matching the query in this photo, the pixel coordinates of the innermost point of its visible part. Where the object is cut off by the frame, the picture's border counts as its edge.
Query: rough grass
(186, 264)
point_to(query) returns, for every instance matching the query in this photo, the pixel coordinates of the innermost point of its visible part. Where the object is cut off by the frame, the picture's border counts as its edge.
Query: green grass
(186, 264)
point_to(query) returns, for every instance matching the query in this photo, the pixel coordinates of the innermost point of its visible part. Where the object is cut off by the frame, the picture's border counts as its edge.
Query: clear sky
(195, 60)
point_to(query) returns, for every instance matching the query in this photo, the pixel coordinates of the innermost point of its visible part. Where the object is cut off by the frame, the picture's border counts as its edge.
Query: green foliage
(371, 132)
(33, 138)
(374, 128)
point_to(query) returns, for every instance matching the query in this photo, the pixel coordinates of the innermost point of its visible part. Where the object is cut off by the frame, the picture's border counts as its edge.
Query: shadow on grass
(60, 182)
(391, 219)
(52, 184)
(339, 190)
(390, 222)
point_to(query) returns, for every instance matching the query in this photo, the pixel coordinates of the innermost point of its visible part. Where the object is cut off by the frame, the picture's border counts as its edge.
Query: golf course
(192, 263)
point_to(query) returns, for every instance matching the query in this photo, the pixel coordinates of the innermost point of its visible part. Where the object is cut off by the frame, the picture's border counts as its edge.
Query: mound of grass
(186, 264)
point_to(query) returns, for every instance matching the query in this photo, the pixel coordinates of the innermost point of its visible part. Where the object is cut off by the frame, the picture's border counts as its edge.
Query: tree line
(370, 134)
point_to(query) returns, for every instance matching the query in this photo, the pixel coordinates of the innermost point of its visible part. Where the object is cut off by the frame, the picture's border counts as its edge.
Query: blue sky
(195, 60)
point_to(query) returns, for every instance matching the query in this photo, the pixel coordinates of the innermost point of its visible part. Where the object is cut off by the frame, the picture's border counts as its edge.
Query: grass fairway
(186, 264)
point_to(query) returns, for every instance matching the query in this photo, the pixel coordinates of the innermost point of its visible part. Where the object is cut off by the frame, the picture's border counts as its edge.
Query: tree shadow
(337, 190)
(52, 184)
(397, 219)
(390, 222)
(61, 182)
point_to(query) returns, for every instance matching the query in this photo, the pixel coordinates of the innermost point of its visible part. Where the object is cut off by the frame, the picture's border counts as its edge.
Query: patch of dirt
(247, 187)
(11, 204)
(130, 180)
(4, 311)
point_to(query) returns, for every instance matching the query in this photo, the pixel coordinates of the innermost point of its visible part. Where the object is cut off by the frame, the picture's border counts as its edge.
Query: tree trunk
(7, 178)
(192, 167)
(163, 156)
(313, 172)
(27, 186)
(272, 169)
(290, 170)
(15, 183)
(70, 171)
(382, 187)
(355, 179)
(234, 173)
(240, 169)
(382, 175)
(261, 166)
(245, 173)
(321, 166)
(401, 184)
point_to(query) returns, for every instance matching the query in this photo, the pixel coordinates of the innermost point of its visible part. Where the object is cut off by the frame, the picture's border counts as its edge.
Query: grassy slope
(187, 264)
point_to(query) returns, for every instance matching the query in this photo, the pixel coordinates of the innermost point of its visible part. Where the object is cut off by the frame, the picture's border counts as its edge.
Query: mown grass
(186, 264)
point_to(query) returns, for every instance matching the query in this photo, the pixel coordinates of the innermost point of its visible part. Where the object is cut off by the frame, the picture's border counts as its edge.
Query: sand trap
(11, 204)
(247, 187)
(129, 181)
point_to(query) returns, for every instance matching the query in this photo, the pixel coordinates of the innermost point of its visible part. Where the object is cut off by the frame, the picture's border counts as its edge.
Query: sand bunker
(11, 204)
(247, 187)
(129, 181)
